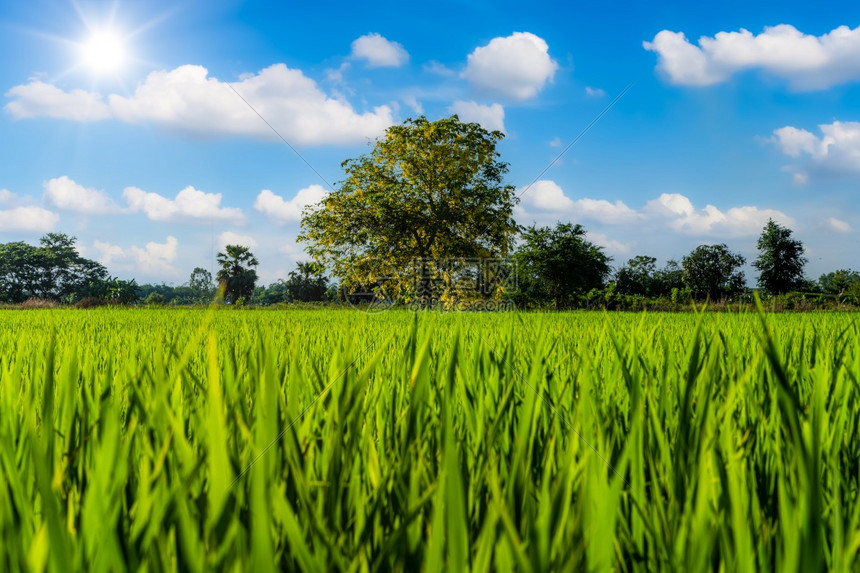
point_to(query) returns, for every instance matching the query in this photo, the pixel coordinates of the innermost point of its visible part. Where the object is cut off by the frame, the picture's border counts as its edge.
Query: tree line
(408, 224)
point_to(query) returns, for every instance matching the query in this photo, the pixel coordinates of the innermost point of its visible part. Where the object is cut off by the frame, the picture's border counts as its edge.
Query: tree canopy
(237, 276)
(559, 264)
(428, 191)
(54, 270)
(780, 261)
(713, 271)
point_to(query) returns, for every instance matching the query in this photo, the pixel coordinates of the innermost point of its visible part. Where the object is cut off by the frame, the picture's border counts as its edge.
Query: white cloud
(837, 149)
(800, 178)
(7, 196)
(284, 211)
(516, 66)
(379, 52)
(594, 92)
(414, 104)
(555, 142)
(38, 99)
(491, 117)
(669, 210)
(154, 258)
(187, 100)
(545, 195)
(678, 212)
(27, 219)
(434, 67)
(839, 225)
(64, 193)
(231, 238)
(807, 62)
(190, 203)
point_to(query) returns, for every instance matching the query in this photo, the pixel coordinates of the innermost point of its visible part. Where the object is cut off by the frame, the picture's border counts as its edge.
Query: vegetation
(713, 271)
(559, 265)
(326, 440)
(237, 276)
(780, 261)
(427, 193)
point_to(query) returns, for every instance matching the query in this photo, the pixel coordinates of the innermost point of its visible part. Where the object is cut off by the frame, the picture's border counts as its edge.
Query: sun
(104, 52)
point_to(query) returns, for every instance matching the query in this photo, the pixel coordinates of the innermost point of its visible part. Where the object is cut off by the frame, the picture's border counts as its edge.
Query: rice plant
(162, 440)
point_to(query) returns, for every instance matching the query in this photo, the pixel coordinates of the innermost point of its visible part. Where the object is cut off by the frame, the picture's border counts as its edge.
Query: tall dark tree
(237, 275)
(559, 264)
(780, 260)
(307, 283)
(637, 276)
(427, 192)
(713, 271)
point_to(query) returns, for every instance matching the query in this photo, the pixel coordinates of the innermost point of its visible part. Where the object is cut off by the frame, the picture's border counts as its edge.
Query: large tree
(637, 276)
(237, 275)
(200, 284)
(53, 270)
(780, 260)
(427, 192)
(559, 265)
(713, 271)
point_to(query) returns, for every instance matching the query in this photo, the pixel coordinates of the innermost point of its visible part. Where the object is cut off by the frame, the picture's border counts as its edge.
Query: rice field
(325, 440)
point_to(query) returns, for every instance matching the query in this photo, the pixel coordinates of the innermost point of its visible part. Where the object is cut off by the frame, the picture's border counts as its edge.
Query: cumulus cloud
(678, 212)
(231, 238)
(27, 219)
(806, 62)
(491, 117)
(64, 193)
(286, 211)
(7, 196)
(669, 210)
(190, 203)
(187, 100)
(39, 99)
(516, 66)
(836, 149)
(839, 225)
(154, 258)
(379, 52)
(594, 92)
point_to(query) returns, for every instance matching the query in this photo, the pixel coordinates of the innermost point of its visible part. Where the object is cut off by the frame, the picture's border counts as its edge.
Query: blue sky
(121, 126)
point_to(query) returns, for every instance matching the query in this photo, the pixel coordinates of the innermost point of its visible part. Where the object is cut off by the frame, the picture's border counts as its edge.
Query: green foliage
(201, 285)
(54, 270)
(307, 283)
(154, 298)
(780, 261)
(713, 271)
(637, 276)
(428, 191)
(321, 440)
(237, 276)
(559, 265)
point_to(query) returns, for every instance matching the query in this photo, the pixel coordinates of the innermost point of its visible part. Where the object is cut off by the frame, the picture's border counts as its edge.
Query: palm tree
(237, 277)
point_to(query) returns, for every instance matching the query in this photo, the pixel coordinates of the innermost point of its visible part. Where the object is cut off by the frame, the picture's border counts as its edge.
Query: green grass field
(161, 440)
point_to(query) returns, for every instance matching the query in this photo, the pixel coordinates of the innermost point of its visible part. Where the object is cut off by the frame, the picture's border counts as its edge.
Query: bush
(32, 303)
(90, 302)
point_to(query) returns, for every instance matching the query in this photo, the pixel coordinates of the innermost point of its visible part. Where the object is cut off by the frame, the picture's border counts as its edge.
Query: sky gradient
(142, 128)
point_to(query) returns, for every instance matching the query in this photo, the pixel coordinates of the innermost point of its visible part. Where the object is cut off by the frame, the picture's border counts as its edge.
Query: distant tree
(201, 284)
(839, 282)
(713, 271)
(307, 283)
(637, 276)
(429, 191)
(122, 292)
(780, 261)
(667, 279)
(559, 265)
(154, 299)
(237, 276)
(53, 270)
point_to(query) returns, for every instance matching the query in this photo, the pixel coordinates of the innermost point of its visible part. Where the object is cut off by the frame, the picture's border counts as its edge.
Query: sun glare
(104, 52)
